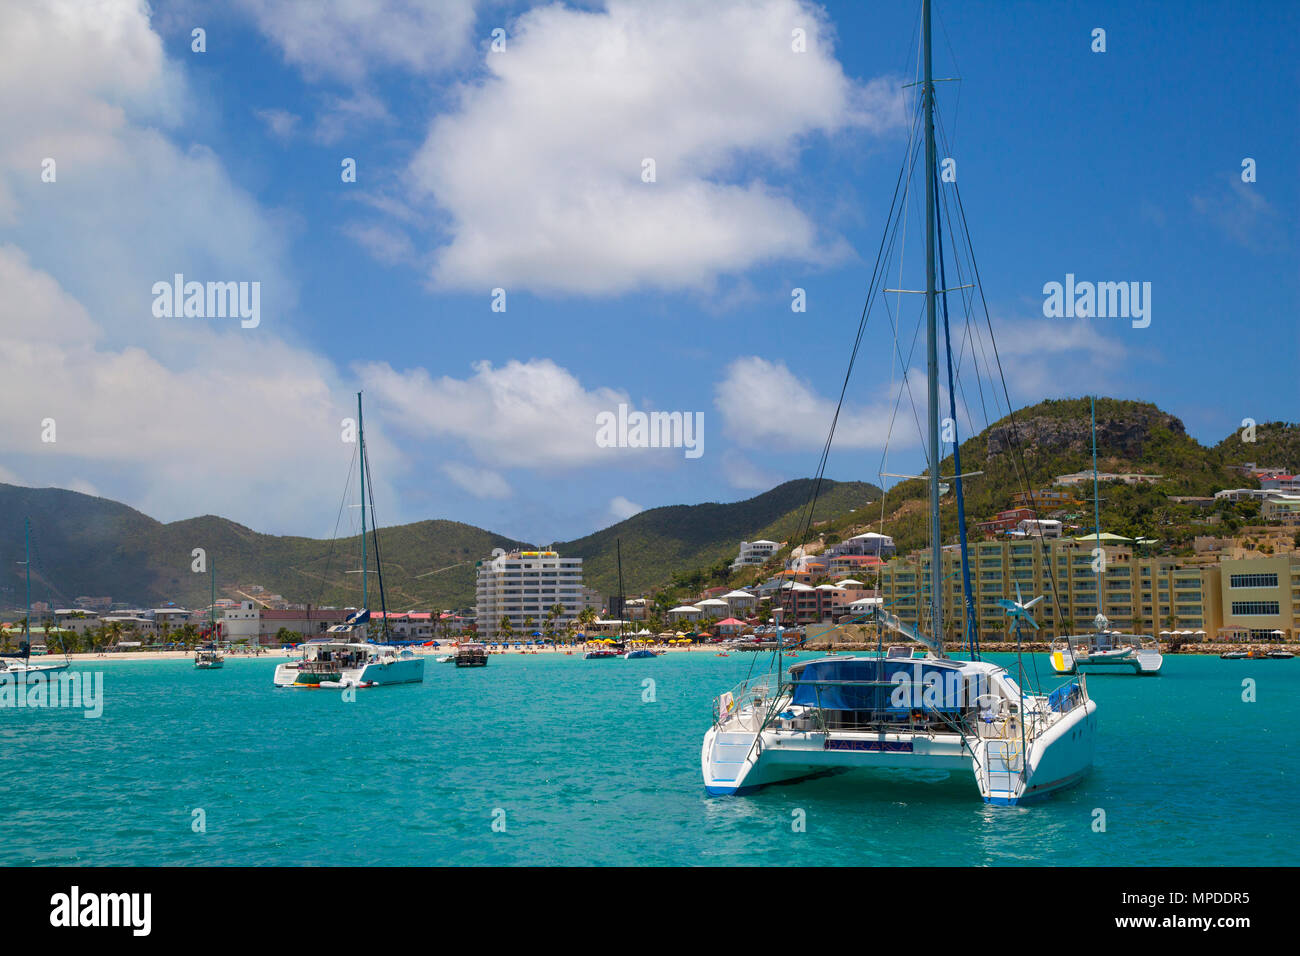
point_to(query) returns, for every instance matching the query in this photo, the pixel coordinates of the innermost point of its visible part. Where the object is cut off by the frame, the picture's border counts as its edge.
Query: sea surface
(551, 759)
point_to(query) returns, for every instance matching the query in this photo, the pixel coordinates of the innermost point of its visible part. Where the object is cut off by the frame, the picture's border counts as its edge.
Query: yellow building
(1137, 593)
(1259, 597)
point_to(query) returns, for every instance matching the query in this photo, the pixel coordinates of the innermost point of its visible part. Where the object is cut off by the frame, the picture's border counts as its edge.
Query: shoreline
(999, 647)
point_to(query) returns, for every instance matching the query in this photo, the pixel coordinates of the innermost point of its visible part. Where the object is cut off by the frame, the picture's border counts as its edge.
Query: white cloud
(521, 414)
(349, 39)
(280, 123)
(742, 473)
(620, 509)
(343, 114)
(763, 402)
(200, 434)
(538, 171)
(1048, 357)
(479, 482)
(163, 414)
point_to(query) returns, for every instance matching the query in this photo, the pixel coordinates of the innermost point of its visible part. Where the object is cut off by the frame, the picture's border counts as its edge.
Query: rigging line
(969, 301)
(329, 555)
(972, 636)
(913, 148)
(1014, 431)
(804, 527)
(374, 534)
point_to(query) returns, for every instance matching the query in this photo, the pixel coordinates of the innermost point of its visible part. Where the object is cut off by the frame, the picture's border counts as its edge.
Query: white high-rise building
(523, 584)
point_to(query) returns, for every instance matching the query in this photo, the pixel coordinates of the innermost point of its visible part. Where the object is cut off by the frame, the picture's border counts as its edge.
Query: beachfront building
(685, 614)
(715, 608)
(76, 619)
(1258, 598)
(1135, 592)
(518, 585)
(754, 553)
(741, 603)
(1080, 478)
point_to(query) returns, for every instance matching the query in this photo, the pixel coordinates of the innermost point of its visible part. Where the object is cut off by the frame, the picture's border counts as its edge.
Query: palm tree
(506, 628)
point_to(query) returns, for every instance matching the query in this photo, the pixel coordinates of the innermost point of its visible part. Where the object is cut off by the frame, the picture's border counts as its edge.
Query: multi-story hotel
(1257, 596)
(523, 584)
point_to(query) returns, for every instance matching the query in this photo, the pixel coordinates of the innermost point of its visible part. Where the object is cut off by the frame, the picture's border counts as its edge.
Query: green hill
(1054, 438)
(91, 546)
(659, 542)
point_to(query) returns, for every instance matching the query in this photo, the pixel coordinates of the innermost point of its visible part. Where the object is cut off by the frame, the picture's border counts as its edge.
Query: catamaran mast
(1096, 511)
(361, 437)
(27, 621)
(932, 341)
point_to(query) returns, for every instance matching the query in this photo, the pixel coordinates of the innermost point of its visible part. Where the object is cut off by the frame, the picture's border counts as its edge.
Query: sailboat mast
(932, 339)
(27, 621)
(361, 437)
(1096, 501)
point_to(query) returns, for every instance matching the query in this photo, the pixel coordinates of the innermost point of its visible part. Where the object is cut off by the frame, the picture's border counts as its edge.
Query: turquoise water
(586, 772)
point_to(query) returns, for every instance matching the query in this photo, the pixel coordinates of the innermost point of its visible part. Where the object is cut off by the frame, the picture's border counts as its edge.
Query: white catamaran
(1104, 649)
(344, 656)
(894, 709)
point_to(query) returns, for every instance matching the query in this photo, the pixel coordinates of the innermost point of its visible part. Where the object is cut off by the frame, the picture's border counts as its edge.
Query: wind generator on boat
(345, 656)
(894, 711)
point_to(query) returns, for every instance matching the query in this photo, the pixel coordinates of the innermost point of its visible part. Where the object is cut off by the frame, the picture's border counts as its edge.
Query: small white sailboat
(893, 710)
(345, 656)
(1104, 649)
(209, 656)
(19, 666)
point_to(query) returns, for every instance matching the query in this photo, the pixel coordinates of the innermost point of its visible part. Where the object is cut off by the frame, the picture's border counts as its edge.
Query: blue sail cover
(361, 617)
(895, 686)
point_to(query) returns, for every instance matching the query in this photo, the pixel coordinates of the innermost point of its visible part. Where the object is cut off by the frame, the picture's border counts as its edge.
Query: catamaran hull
(1145, 663)
(736, 763)
(377, 674)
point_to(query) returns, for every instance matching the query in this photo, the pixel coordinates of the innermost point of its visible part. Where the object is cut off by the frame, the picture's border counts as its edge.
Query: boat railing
(755, 691)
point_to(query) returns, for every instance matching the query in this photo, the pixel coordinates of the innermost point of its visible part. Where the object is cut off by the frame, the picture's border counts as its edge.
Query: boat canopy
(890, 685)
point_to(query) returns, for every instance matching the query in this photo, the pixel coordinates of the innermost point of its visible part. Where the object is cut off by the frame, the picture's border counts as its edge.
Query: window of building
(1247, 608)
(1253, 581)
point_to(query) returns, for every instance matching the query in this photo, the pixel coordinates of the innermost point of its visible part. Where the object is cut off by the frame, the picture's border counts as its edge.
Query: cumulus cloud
(161, 413)
(538, 170)
(347, 40)
(763, 402)
(620, 509)
(520, 414)
(479, 482)
(202, 431)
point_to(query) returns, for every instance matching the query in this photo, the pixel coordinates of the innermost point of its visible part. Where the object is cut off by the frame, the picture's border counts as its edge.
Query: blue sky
(521, 169)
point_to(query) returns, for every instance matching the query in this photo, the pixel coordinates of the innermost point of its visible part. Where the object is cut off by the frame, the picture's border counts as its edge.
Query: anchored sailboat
(895, 709)
(209, 656)
(20, 664)
(1104, 649)
(345, 656)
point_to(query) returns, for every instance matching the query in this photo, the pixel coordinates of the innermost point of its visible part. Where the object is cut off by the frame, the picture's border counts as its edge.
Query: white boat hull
(373, 674)
(736, 763)
(1139, 661)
